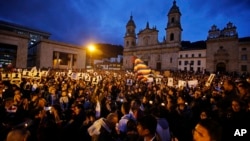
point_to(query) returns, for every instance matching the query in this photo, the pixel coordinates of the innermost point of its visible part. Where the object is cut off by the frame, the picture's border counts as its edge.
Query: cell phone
(47, 108)
(150, 102)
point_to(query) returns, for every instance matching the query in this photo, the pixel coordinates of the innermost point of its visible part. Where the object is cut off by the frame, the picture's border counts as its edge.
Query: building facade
(158, 55)
(58, 55)
(192, 60)
(13, 47)
(22, 47)
(113, 63)
(223, 50)
(227, 52)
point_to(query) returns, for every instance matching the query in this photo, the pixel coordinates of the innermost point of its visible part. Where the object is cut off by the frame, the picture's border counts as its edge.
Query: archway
(221, 67)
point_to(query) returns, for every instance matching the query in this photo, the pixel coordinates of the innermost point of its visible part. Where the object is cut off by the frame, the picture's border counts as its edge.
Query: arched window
(172, 20)
(127, 43)
(171, 36)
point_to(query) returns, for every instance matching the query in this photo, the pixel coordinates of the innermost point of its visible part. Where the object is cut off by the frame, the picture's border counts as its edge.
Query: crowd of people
(57, 107)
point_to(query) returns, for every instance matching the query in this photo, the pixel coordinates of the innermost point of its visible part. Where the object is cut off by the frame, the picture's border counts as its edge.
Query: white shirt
(122, 125)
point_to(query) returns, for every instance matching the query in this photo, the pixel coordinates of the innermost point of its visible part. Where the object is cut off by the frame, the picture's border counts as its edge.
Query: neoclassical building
(23, 47)
(159, 55)
(222, 50)
(227, 52)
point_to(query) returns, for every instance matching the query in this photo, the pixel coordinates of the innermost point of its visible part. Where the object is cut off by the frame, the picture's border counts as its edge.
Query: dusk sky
(103, 21)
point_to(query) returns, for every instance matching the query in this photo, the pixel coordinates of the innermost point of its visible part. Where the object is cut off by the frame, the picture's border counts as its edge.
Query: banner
(16, 76)
(182, 83)
(170, 82)
(94, 80)
(26, 74)
(6, 76)
(157, 80)
(129, 82)
(210, 80)
(192, 83)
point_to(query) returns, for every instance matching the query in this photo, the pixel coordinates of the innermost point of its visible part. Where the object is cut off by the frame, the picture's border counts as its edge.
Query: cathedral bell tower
(130, 36)
(173, 29)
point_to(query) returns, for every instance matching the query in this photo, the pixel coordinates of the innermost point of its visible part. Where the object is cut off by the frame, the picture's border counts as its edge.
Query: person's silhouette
(37, 74)
(16, 76)
(6, 76)
(26, 73)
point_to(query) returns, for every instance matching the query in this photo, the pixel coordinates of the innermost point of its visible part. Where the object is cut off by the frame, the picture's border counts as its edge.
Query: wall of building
(244, 56)
(22, 46)
(230, 45)
(47, 48)
(192, 55)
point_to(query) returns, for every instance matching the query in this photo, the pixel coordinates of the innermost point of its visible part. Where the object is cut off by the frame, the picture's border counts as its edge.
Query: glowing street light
(91, 49)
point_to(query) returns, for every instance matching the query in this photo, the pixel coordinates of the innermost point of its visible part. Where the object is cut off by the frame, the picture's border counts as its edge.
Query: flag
(141, 69)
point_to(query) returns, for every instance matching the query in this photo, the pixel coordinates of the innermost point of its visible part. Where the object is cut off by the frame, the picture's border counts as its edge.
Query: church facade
(227, 52)
(223, 50)
(157, 55)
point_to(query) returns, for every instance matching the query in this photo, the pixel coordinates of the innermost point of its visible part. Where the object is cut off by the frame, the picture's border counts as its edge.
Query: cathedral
(222, 51)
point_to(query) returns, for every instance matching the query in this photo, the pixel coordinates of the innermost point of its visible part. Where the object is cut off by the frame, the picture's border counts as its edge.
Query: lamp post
(91, 49)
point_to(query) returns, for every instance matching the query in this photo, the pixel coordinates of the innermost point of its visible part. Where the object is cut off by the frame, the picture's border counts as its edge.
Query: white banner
(182, 83)
(210, 80)
(192, 83)
(170, 82)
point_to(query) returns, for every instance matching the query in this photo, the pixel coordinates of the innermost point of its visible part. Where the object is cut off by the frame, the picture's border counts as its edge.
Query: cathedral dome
(131, 22)
(174, 8)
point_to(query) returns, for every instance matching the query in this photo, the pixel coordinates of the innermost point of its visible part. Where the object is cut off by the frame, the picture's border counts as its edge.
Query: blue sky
(103, 21)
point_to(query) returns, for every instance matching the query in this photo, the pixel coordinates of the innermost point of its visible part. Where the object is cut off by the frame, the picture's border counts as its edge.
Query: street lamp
(91, 49)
